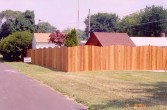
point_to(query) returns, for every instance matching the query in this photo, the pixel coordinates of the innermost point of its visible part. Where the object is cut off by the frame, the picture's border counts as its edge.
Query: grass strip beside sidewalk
(105, 90)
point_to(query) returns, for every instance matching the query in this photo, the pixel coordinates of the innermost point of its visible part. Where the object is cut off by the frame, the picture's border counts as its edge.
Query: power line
(161, 21)
(143, 30)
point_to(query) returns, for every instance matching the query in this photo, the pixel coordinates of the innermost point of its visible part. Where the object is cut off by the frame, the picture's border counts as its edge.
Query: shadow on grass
(50, 68)
(157, 97)
(159, 92)
(53, 69)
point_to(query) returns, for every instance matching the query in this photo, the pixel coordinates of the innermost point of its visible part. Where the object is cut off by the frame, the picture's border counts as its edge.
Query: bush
(71, 39)
(13, 47)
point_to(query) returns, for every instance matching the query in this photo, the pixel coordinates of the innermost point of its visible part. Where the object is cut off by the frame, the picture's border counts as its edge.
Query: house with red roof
(109, 38)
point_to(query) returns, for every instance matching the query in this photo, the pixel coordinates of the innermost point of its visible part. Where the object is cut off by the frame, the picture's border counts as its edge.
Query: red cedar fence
(93, 58)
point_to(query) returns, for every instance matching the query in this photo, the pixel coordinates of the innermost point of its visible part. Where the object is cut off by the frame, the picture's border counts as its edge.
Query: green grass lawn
(105, 90)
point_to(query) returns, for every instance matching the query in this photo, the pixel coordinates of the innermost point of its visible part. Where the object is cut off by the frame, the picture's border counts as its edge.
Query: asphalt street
(18, 92)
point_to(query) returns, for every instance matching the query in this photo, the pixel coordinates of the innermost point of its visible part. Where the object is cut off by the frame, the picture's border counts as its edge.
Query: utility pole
(78, 14)
(38, 24)
(89, 25)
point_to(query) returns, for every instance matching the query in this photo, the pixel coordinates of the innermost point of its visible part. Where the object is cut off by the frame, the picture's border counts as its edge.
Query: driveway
(18, 92)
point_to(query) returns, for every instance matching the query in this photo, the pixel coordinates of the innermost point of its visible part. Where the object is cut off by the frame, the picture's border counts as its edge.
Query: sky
(63, 14)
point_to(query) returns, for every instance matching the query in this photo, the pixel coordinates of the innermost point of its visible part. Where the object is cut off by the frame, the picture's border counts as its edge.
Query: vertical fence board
(147, 56)
(69, 59)
(128, 57)
(81, 58)
(159, 58)
(112, 57)
(116, 52)
(97, 56)
(90, 58)
(135, 58)
(154, 57)
(65, 59)
(86, 60)
(165, 58)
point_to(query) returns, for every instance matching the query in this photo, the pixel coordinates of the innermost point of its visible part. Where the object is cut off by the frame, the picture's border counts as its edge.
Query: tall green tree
(153, 21)
(44, 27)
(129, 23)
(7, 28)
(21, 22)
(102, 22)
(72, 39)
(7, 22)
(149, 22)
(25, 22)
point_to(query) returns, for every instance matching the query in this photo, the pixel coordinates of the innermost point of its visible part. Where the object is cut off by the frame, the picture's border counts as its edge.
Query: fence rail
(93, 58)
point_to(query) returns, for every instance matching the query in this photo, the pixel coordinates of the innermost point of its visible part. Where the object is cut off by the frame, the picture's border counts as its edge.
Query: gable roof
(41, 37)
(153, 41)
(109, 38)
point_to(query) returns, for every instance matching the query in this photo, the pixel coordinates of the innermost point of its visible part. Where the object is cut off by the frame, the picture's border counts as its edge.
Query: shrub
(13, 47)
(71, 39)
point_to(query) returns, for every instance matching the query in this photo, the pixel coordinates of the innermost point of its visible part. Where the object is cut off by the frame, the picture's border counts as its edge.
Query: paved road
(18, 92)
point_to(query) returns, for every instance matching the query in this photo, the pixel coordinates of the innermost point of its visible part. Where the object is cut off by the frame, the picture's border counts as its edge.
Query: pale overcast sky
(63, 13)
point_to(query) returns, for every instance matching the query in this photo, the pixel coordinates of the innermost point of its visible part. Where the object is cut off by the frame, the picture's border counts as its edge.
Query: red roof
(42, 37)
(108, 39)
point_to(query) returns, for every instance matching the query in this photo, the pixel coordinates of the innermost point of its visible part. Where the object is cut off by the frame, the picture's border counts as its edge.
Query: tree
(7, 22)
(153, 21)
(7, 28)
(72, 39)
(129, 23)
(44, 27)
(14, 47)
(22, 22)
(58, 38)
(25, 22)
(102, 22)
(67, 30)
(149, 22)
(8, 15)
(80, 33)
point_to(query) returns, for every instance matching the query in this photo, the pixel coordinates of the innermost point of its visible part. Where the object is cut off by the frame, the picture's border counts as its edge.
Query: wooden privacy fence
(93, 58)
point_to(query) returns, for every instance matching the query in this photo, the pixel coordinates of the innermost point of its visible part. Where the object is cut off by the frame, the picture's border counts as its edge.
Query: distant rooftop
(153, 41)
(42, 37)
(109, 38)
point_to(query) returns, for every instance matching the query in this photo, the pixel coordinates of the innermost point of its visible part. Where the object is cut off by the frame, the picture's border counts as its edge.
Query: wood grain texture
(94, 58)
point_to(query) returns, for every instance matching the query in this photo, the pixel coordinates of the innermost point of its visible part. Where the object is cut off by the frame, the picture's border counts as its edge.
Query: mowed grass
(105, 90)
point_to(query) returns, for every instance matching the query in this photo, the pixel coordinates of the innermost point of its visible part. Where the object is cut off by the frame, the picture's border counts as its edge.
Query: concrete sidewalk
(18, 92)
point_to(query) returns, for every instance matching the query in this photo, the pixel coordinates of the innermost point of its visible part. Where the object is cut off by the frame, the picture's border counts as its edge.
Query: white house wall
(33, 43)
(44, 45)
(145, 41)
